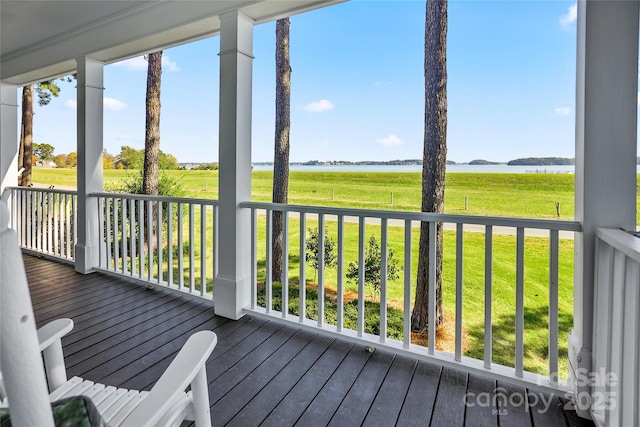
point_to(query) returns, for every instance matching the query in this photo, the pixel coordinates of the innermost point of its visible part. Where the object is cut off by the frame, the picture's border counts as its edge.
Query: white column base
(231, 296)
(86, 258)
(579, 369)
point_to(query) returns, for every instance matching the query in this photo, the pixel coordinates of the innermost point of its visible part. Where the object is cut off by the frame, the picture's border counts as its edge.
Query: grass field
(515, 195)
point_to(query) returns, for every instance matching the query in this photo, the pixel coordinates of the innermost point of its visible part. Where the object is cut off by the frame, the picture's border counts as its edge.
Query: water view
(503, 168)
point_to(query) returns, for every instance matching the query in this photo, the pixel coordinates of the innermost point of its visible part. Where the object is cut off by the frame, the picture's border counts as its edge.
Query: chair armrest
(53, 331)
(50, 339)
(188, 367)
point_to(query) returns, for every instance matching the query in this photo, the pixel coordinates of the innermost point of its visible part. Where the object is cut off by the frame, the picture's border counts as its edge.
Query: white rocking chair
(23, 374)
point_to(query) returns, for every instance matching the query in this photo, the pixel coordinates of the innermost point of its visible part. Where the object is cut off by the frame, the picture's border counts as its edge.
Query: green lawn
(515, 195)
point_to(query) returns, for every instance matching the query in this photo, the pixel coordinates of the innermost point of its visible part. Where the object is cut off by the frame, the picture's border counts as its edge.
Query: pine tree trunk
(434, 158)
(281, 153)
(26, 136)
(150, 178)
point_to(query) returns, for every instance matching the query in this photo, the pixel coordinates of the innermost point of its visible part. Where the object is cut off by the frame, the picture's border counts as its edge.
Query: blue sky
(358, 87)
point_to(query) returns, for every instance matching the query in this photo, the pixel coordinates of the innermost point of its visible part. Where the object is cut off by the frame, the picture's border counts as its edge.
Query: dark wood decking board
(263, 373)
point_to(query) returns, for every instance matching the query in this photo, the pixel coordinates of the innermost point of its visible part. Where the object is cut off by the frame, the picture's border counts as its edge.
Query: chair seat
(114, 404)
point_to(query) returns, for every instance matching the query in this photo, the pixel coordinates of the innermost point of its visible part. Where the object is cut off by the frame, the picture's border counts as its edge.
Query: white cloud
(390, 140)
(563, 111)
(139, 63)
(318, 106)
(383, 83)
(168, 64)
(109, 103)
(570, 17)
(113, 104)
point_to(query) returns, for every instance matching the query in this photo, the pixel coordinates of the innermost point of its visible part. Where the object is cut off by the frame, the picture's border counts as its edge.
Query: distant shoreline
(456, 168)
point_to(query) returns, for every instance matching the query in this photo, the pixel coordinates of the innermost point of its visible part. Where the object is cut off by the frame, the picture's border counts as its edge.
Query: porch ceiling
(42, 39)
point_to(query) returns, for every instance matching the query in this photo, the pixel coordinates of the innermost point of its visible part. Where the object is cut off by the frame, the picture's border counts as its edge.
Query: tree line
(128, 158)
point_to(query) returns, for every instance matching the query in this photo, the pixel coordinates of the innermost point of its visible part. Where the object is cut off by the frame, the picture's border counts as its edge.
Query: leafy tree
(60, 160)
(207, 167)
(281, 150)
(373, 267)
(434, 158)
(312, 249)
(108, 160)
(43, 152)
(167, 161)
(131, 158)
(72, 160)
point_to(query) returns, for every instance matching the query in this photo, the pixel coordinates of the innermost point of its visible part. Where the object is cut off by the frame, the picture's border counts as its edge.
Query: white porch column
(606, 140)
(90, 93)
(8, 136)
(233, 282)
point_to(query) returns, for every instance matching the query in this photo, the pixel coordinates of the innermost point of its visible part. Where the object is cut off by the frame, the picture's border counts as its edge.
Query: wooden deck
(263, 373)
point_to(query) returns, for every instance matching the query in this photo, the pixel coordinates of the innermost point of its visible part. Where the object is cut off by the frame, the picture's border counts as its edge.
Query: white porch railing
(262, 298)
(615, 397)
(168, 241)
(44, 220)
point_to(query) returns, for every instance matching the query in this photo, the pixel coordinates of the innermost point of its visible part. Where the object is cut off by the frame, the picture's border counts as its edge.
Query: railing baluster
(361, 276)
(41, 218)
(268, 260)
(132, 237)
(123, 220)
(141, 256)
(56, 224)
(340, 296)
(49, 223)
(69, 218)
(254, 258)
(459, 293)
(116, 240)
(285, 264)
(180, 246)
(170, 244)
(303, 269)
(149, 215)
(159, 240)
(433, 238)
(553, 307)
(203, 249)
(214, 240)
(74, 213)
(192, 246)
(520, 301)
(488, 250)
(407, 284)
(30, 223)
(20, 217)
(384, 259)
(108, 204)
(320, 270)
(101, 236)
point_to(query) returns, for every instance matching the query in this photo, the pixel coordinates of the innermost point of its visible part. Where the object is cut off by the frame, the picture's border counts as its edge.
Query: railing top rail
(422, 216)
(187, 200)
(43, 190)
